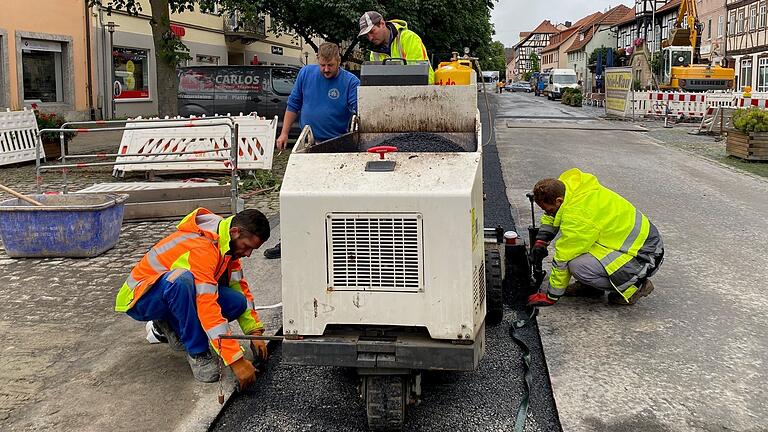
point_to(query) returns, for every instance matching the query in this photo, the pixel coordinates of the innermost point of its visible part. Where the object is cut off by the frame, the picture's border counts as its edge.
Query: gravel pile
(423, 142)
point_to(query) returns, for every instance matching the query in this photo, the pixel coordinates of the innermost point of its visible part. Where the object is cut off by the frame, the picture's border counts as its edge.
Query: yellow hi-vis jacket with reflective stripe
(406, 45)
(200, 245)
(596, 220)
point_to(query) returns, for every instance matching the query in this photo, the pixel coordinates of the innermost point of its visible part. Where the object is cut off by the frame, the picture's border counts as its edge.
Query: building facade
(533, 42)
(747, 43)
(596, 33)
(712, 15)
(212, 38)
(44, 57)
(554, 55)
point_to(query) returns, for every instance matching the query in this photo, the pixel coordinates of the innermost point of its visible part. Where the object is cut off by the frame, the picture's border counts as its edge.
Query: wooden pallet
(752, 146)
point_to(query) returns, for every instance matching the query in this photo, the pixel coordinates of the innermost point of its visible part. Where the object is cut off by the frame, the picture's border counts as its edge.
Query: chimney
(568, 24)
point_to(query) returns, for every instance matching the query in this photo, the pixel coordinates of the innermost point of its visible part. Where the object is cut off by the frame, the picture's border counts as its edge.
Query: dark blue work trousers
(172, 298)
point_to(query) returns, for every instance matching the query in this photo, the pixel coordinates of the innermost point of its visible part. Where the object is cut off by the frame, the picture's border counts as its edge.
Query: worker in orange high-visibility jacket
(190, 285)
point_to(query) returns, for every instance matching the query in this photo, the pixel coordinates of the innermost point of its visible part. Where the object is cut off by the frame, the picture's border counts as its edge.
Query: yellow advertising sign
(618, 82)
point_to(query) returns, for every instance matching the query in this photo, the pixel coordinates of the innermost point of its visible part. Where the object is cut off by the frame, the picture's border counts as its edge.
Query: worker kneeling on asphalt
(190, 285)
(605, 243)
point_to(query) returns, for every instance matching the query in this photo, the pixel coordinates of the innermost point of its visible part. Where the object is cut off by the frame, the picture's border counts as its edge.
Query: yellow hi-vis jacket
(596, 220)
(200, 245)
(406, 45)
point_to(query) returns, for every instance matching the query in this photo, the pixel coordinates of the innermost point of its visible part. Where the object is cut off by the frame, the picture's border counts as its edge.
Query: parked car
(518, 86)
(210, 90)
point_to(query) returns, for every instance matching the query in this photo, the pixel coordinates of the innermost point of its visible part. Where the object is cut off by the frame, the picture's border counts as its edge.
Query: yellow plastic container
(457, 72)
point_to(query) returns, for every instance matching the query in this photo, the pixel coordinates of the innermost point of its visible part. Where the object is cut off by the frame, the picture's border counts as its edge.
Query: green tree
(444, 26)
(497, 61)
(535, 63)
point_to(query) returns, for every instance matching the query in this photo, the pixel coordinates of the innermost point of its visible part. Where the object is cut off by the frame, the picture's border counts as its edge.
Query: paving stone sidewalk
(69, 361)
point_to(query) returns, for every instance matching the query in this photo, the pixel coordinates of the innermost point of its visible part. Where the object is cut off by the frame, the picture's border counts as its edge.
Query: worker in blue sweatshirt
(324, 97)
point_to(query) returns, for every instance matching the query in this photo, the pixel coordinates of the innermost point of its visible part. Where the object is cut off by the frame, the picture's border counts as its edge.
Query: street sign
(618, 82)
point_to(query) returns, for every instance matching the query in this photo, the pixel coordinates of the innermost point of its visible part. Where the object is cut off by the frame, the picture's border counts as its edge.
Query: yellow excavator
(680, 53)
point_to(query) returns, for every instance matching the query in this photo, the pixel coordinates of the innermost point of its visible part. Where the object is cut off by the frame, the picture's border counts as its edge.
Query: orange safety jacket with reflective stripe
(200, 245)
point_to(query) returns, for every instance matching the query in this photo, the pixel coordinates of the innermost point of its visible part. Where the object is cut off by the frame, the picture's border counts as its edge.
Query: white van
(490, 79)
(560, 79)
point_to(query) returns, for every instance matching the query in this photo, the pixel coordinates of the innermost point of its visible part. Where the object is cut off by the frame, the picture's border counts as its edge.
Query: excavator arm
(688, 12)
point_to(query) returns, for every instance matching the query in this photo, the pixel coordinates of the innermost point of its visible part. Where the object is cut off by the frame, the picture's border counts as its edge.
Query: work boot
(644, 290)
(578, 289)
(204, 367)
(166, 334)
(273, 252)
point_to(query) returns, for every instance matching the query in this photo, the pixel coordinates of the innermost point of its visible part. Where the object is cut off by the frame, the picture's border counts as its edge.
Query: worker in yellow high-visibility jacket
(604, 242)
(393, 39)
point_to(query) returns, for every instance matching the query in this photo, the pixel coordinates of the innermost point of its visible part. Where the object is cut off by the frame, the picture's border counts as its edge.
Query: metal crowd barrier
(227, 121)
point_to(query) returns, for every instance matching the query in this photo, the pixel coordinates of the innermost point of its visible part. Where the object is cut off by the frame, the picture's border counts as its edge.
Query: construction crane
(681, 68)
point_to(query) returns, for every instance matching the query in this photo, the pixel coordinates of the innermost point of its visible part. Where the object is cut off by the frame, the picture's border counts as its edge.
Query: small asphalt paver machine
(386, 265)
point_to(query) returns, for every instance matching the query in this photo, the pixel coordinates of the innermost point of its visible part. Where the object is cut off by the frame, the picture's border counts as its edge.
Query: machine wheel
(494, 300)
(386, 401)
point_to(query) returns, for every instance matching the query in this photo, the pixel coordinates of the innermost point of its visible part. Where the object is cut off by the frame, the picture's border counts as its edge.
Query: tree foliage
(535, 62)
(496, 61)
(444, 26)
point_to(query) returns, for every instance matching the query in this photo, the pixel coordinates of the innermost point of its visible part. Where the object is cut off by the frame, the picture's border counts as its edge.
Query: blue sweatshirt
(326, 105)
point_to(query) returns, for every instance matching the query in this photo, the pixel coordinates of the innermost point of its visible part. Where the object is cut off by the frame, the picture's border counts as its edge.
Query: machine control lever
(381, 150)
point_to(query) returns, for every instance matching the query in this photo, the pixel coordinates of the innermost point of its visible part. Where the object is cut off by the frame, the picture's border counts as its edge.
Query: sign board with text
(618, 83)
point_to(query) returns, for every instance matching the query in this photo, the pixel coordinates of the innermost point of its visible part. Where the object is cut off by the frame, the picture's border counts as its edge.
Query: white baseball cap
(367, 21)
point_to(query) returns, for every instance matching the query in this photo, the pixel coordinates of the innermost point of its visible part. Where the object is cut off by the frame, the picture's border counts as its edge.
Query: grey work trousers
(587, 269)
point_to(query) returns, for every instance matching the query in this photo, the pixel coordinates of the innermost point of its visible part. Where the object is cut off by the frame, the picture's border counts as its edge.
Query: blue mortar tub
(70, 225)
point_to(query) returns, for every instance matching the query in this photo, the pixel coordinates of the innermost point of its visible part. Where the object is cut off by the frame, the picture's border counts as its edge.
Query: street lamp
(111, 29)
(306, 58)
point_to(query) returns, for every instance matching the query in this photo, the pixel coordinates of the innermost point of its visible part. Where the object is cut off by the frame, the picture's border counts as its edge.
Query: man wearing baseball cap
(392, 39)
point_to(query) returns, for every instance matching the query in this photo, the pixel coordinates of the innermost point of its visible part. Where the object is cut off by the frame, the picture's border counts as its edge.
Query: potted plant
(51, 140)
(748, 137)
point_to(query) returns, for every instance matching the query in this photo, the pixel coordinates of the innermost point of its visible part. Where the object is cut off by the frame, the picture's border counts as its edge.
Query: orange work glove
(244, 372)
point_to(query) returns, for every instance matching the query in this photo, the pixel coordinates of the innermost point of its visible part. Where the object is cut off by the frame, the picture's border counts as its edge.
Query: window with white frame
(746, 72)
(131, 72)
(732, 23)
(709, 29)
(740, 22)
(752, 17)
(762, 74)
(762, 14)
(720, 26)
(42, 71)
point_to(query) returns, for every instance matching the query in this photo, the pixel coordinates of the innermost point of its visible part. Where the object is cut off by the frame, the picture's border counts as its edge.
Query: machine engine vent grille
(479, 285)
(375, 252)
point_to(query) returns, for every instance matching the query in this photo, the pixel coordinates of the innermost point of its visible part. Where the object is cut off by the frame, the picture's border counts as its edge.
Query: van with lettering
(210, 90)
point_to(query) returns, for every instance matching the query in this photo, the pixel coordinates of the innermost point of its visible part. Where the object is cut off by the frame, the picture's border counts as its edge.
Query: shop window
(42, 71)
(131, 73)
(207, 60)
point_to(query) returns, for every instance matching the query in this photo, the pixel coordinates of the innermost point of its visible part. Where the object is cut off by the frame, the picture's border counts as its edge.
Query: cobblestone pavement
(63, 343)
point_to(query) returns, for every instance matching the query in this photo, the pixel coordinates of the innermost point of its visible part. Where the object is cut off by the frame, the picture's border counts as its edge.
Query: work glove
(539, 252)
(244, 372)
(259, 347)
(541, 299)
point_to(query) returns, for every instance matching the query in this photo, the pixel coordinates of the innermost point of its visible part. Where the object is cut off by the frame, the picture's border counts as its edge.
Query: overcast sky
(510, 17)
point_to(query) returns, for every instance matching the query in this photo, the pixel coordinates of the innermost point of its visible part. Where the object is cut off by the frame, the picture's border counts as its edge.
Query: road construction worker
(325, 98)
(605, 243)
(190, 285)
(500, 86)
(392, 39)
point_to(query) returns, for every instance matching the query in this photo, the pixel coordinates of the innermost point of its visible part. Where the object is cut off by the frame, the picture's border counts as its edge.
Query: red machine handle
(381, 150)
